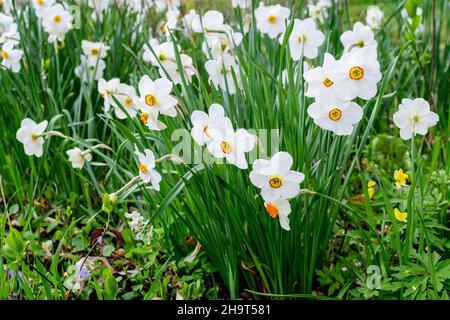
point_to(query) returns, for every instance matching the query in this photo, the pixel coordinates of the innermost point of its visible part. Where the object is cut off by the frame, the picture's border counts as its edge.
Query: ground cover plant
(224, 149)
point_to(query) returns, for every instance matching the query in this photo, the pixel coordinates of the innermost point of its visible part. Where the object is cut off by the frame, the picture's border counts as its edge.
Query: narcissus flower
(11, 57)
(317, 12)
(210, 22)
(57, 21)
(357, 73)
(319, 80)
(155, 95)
(146, 167)
(106, 90)
(90, 69)
(305, 39)
(94, 50)
(400, 216)
(374, 17)
(232, 146)
(400, 178)
(11, 34)
(271, 20)
(219, 43)
(414, 116)
(333, 114)
(275, 177)
(78, 157)
(360, 37)
(220, 73)
(149, 118)
(279, 208)
(30, 134)
(40, 6)
(126, 95)
(208, 126)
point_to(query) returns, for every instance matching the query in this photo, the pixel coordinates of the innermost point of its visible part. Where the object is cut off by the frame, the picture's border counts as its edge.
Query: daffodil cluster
(55, 19)
(9, 40)
(92, 61)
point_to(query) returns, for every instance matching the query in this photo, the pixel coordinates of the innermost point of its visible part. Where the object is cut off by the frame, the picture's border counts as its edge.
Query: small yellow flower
(400, 178)
(400, 216)
(371, 188)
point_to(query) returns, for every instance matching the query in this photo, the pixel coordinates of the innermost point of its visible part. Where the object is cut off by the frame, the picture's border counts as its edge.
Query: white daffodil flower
(333, 114)
(271, 20)
(187, 20)
(357, 74)
(317, 12)
(174, 72)
(127, 97)
(221, 42)
(155, 95)
(279, 208)
(29, 135)
(211, 21)
(10, 35)
(5, 22)
(78, 157)
(57, 21)
(106, 90)
(40, 6)
(319, 79)
(146, 167)
(232, 146)
(275, 178)
(220, 73)
(207, 126)
(94, 50)
(414, 117)
(149, 117)
(360, 37)
(305, 39)
(11, 57)
(374, 17)
(90, 69)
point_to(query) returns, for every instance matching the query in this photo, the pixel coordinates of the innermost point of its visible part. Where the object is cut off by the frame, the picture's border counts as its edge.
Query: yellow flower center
(206, 130)
(40, 3)
(5, 55)
(143, 168)
(144, 118)
(57, 19)
(275, 182)
(226, 147)
(272, 19)
(150, 100)
(162, 57)
(360, 44)
(94, 51)
(327, 82)
(164, 27)
(302, 39)
(415, 119)
(272, 209)
(335, 114)
(356, 73)
(128, 101)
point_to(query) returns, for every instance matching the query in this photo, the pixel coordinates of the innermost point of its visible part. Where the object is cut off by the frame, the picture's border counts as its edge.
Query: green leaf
(15, 246)
(107, 250)
(110, 285)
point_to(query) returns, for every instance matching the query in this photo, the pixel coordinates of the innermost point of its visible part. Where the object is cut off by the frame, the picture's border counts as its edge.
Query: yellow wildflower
(400, 216)
(400, 178)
